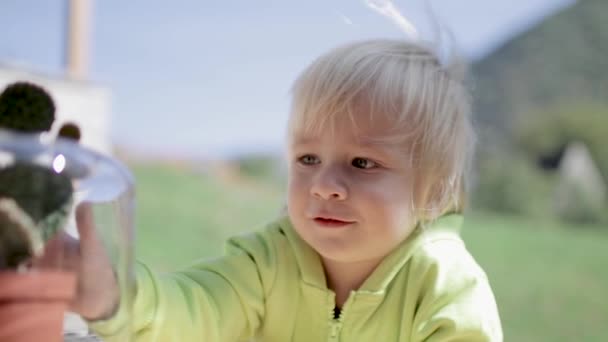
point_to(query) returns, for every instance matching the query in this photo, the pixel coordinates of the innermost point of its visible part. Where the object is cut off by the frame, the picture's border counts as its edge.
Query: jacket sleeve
(455, 300)
(214, 300)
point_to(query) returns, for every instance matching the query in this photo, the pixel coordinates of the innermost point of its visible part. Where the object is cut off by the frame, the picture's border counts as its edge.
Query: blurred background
(193, 97)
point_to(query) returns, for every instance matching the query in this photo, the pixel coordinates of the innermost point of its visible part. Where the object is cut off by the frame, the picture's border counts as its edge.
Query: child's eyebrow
(304, 141)
(377, 144)
(384, 148)
(382, 152)
(362, 143)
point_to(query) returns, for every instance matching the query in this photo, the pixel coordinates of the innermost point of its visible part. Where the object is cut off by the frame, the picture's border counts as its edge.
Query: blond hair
(406, 83)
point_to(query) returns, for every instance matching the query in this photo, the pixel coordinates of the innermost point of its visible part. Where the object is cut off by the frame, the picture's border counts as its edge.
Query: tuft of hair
(427, 104)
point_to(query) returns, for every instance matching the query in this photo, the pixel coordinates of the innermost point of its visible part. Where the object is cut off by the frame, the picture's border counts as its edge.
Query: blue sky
(205, 79)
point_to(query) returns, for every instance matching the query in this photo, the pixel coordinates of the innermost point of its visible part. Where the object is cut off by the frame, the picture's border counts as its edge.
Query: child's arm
(216, 300)
(456, 302)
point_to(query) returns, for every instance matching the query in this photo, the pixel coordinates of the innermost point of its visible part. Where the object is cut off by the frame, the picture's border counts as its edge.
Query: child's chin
(340, 254)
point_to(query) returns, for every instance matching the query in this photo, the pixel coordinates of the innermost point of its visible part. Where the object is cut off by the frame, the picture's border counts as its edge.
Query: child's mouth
(331, 223)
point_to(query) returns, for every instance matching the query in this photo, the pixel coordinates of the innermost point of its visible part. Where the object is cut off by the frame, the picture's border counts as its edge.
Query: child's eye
(362, 163)
(309, 159)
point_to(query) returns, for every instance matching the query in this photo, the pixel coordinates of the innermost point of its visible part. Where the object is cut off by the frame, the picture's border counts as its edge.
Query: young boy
(379, 140)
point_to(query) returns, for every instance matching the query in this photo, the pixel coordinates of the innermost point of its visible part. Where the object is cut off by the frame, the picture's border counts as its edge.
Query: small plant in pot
(35, 203)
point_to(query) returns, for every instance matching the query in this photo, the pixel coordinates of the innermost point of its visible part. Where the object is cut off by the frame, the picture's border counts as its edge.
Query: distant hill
(562, 60)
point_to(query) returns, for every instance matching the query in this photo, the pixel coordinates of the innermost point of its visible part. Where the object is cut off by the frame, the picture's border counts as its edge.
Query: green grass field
(551, 281)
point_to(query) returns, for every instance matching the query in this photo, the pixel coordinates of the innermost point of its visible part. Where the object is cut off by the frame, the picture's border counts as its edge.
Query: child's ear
(441, 198)
(70, 131)
(430, 199)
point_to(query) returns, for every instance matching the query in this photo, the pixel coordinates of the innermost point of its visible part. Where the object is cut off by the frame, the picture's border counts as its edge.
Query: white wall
(84, 103)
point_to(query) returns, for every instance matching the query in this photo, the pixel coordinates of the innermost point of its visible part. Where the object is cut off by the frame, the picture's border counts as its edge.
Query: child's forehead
(361, 134)
(360, 123)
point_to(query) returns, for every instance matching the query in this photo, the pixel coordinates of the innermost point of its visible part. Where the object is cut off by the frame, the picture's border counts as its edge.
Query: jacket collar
(311, 267)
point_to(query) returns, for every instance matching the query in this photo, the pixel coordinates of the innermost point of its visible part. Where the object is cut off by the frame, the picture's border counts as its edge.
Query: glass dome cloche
(56, 195)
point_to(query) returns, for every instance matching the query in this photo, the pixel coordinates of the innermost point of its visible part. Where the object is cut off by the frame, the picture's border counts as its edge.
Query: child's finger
(61, 252)
(85, 223)
(97, 291)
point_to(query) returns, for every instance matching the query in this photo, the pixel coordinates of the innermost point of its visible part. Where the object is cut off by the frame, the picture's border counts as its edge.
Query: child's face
(348, 197)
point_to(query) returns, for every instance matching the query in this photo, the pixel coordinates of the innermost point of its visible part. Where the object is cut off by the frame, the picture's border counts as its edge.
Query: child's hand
(97, 292)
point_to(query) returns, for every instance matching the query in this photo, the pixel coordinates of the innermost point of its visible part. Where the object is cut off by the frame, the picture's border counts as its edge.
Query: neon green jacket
(270, 287)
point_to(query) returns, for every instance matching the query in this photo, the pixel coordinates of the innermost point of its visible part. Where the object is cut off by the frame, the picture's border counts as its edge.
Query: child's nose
(329, 186)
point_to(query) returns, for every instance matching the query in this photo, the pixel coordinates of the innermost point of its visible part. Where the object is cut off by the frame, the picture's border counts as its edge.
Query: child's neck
(344, 277)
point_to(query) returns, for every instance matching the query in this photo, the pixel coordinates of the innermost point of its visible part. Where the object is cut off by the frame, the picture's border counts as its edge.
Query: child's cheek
(378, 187)
(297, 190)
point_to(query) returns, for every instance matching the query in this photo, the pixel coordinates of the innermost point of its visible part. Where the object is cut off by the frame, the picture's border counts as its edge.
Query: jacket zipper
(335, 326)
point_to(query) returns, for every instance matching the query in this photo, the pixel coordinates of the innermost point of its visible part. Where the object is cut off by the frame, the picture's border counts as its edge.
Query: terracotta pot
(32, 305)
